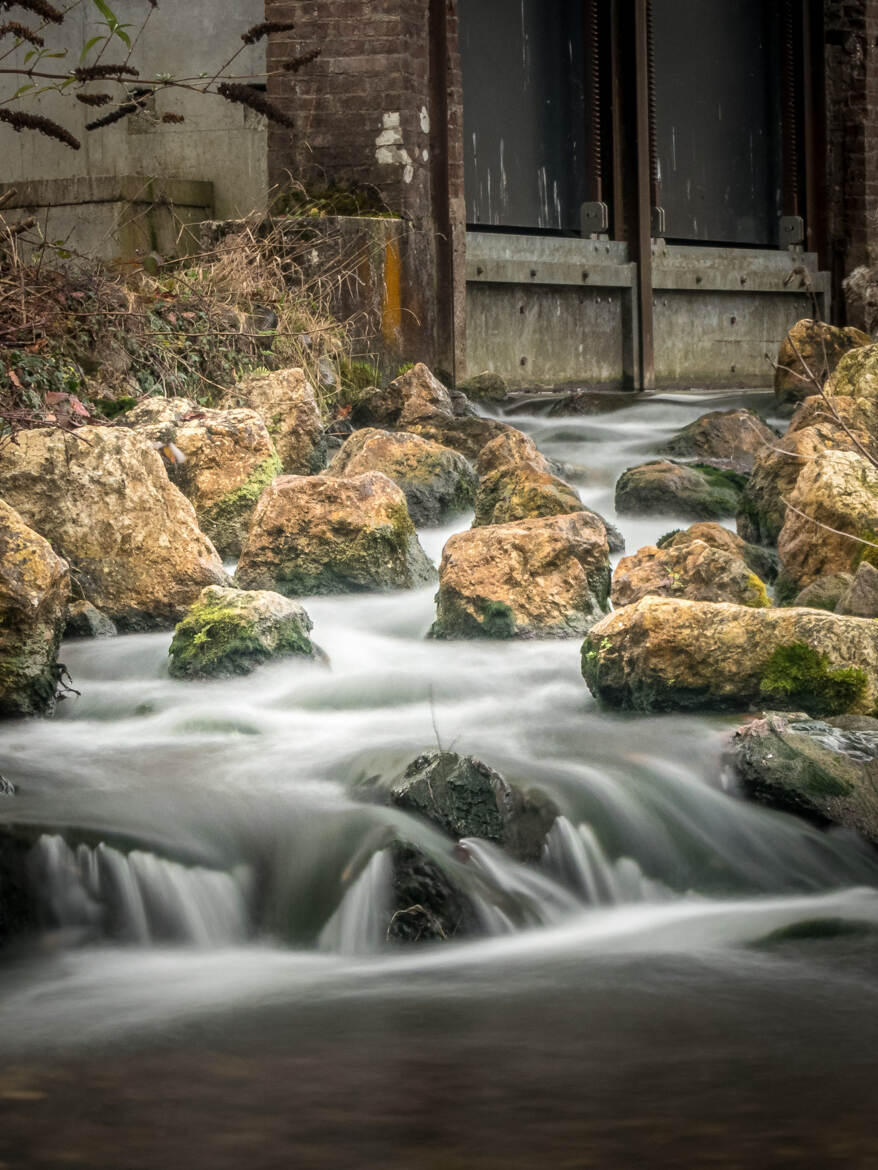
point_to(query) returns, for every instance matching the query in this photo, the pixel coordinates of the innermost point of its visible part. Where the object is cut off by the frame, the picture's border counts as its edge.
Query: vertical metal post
(644, 204)
(789, 108)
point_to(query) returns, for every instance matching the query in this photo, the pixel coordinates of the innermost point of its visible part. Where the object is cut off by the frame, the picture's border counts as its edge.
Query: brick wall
(375, 110)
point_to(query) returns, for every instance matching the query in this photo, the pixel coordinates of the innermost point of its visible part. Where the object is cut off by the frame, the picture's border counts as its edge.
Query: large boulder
(856, 375)
(288, 405)
(318, 534)
(222, 460)
(231, 631)
(761, 560)
(521, 492)
(821, 346)
(101, 497)
(693, 570)
(662, 654)
(860, 599)
(466, 798)
(677, 489)
(34, 589)
(825, 770)
(509, 449)
(436, 481)
(831, 525)
(528, 579)
(727, 439)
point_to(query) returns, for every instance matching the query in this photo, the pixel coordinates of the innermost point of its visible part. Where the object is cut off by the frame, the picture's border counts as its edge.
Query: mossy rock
(676, 489)
(229, 632)
(801, 677)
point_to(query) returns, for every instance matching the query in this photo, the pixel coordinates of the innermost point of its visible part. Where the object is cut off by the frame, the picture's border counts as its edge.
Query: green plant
(802, 678)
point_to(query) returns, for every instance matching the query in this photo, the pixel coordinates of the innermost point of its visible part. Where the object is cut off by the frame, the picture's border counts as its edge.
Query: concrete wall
(219, 143)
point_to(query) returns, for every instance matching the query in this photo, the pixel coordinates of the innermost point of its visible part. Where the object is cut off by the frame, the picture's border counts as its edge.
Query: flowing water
(685, 976)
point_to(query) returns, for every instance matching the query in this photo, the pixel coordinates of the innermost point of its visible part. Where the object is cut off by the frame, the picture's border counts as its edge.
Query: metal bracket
(657, 223)
(792, 230)
(594, 218)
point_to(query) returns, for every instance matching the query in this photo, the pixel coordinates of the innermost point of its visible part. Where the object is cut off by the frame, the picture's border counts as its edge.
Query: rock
(678, 489)
(84, 621)
(858, 415)
(822, 346)
(818, 769)
(7, 788)
(288, 405)
(668, 655)
(102, 498)
(856, 375)
(324, 535)
(839, 489)
(693, 570)
(861, 597)
(466, 435)
(509, 449)
(437, 482)
(528, 579)
(414, 396)
(466, 798)
(727, 439)
(762, 561)
(229, 632)
(762, 509)
(486, 387)
(426, 906)
(228, 460)
(522, 492)
(34, 588)
(824, 593)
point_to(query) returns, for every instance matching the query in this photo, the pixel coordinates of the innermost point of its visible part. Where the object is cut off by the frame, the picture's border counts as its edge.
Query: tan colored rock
(856, 375)
(318, 534)
(836, 490)
(34, 590)
(522, 492)
(101, 497)
(436, 481)
(662, 654)
(861, 597)
(727, 439)
(529, 579)
(694, 571)
(466, 434)
(288, 405)
(822, 347)
(761, 561)
(858, 415)
(228, 460)
(413, 397)
(507, 450)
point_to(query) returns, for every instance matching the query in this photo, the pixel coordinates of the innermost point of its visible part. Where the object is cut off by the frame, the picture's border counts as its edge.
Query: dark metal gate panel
(524, 112)
(717, 71)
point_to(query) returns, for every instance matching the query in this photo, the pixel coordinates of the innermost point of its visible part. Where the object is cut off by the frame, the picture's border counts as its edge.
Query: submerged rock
(288, 405)
(224, 461)
(34, 588)
(318, 534)
(84, 621)
(821, 346)
(762, 561)
(522, 492)
(693, 570)
(437, 482)
(664, 655)
(231, 631)
(834, 510)
(727, 439)
(101, 497)
(466, 798)
(824, 770)
(678, 489)
(426, 905)
(529, 579)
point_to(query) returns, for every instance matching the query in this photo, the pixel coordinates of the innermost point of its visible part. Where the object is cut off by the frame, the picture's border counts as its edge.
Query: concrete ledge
(125, 189)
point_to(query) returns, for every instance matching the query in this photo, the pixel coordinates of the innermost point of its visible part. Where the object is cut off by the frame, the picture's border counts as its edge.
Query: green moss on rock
(226, 521)
(800, 676)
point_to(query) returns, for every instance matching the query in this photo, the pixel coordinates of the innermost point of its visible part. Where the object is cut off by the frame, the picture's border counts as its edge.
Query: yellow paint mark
(391, 309)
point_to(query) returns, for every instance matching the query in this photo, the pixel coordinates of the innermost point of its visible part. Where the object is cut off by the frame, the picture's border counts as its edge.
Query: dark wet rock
(587, 402)
(727, 439)
(486, 387)
(824, 593)
(861, 597)
(664, 487)
(85, 621)
(7, 788)
(426, 905)
(466, 798)
(821, 346)
(826, 770)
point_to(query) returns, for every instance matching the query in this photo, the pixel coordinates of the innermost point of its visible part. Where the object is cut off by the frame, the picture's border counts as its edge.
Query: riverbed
(687, 977)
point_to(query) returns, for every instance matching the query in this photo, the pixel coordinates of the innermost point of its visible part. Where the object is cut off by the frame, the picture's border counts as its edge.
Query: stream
(686, 976)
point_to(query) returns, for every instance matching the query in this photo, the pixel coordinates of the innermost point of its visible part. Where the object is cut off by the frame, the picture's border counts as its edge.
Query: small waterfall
(137, 897)
(575, 856)
(526, 896)
(359, 924)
